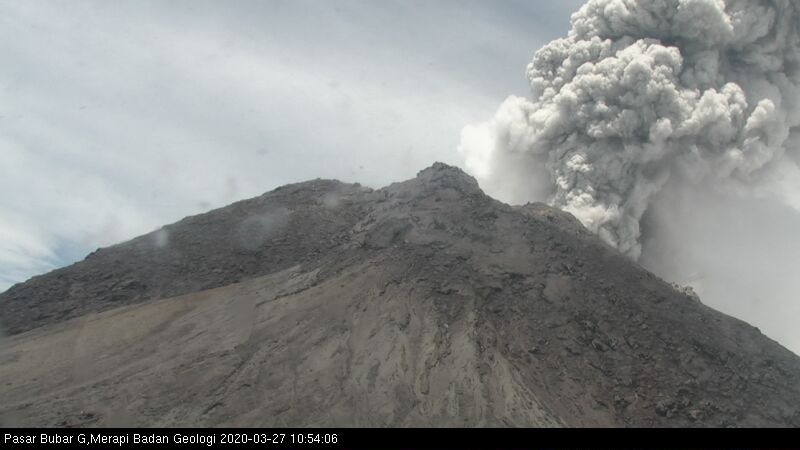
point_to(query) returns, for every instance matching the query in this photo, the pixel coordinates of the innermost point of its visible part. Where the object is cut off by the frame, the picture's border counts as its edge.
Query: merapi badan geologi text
(109, 439)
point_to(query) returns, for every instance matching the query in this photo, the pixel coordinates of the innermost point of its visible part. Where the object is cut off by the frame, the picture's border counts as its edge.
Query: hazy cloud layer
(117, 117)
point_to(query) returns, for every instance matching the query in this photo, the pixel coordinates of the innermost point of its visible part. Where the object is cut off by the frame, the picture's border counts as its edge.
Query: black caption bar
(413, 438)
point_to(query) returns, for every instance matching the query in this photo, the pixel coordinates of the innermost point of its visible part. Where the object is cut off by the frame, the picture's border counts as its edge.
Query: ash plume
(643, 96)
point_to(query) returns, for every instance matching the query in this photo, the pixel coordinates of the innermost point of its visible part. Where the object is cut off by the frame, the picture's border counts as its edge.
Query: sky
(119, 117)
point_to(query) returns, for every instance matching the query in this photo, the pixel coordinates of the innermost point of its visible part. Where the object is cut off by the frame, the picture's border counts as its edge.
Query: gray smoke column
(645, 94)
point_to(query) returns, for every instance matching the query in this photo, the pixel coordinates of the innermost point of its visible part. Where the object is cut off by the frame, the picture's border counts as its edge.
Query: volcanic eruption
(642, 96)
(671, 129)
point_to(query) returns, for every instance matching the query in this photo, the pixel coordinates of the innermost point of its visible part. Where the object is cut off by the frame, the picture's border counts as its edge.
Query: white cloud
(117, 118)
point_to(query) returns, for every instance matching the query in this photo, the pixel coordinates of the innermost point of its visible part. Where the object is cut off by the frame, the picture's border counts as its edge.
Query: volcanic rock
(424, 303)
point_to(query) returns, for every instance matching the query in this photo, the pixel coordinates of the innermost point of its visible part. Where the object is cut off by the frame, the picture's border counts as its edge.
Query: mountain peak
(448, 176)
(441, 305)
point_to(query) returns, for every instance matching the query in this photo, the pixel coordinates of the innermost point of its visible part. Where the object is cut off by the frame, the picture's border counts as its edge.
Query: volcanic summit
(423, 303)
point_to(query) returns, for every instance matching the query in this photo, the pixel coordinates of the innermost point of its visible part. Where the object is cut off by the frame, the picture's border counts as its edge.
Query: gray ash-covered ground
(425, 303)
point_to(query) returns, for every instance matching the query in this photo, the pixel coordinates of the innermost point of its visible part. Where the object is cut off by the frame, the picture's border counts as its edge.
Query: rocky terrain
(424, 303)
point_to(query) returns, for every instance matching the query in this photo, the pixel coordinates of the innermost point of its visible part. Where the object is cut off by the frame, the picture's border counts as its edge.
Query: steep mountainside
(422, 303)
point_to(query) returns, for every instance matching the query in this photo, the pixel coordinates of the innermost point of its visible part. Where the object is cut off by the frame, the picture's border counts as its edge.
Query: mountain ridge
(422, 303)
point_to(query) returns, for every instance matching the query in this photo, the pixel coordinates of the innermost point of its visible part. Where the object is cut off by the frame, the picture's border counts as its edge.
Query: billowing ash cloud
(645, 94)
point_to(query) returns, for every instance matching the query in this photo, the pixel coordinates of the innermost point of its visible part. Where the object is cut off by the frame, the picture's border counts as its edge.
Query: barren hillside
(425, 303)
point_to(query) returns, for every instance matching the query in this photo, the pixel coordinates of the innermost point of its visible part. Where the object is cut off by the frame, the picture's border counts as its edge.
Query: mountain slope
(422, 303)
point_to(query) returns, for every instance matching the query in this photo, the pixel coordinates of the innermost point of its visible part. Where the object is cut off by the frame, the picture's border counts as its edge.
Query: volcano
(423, 303)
